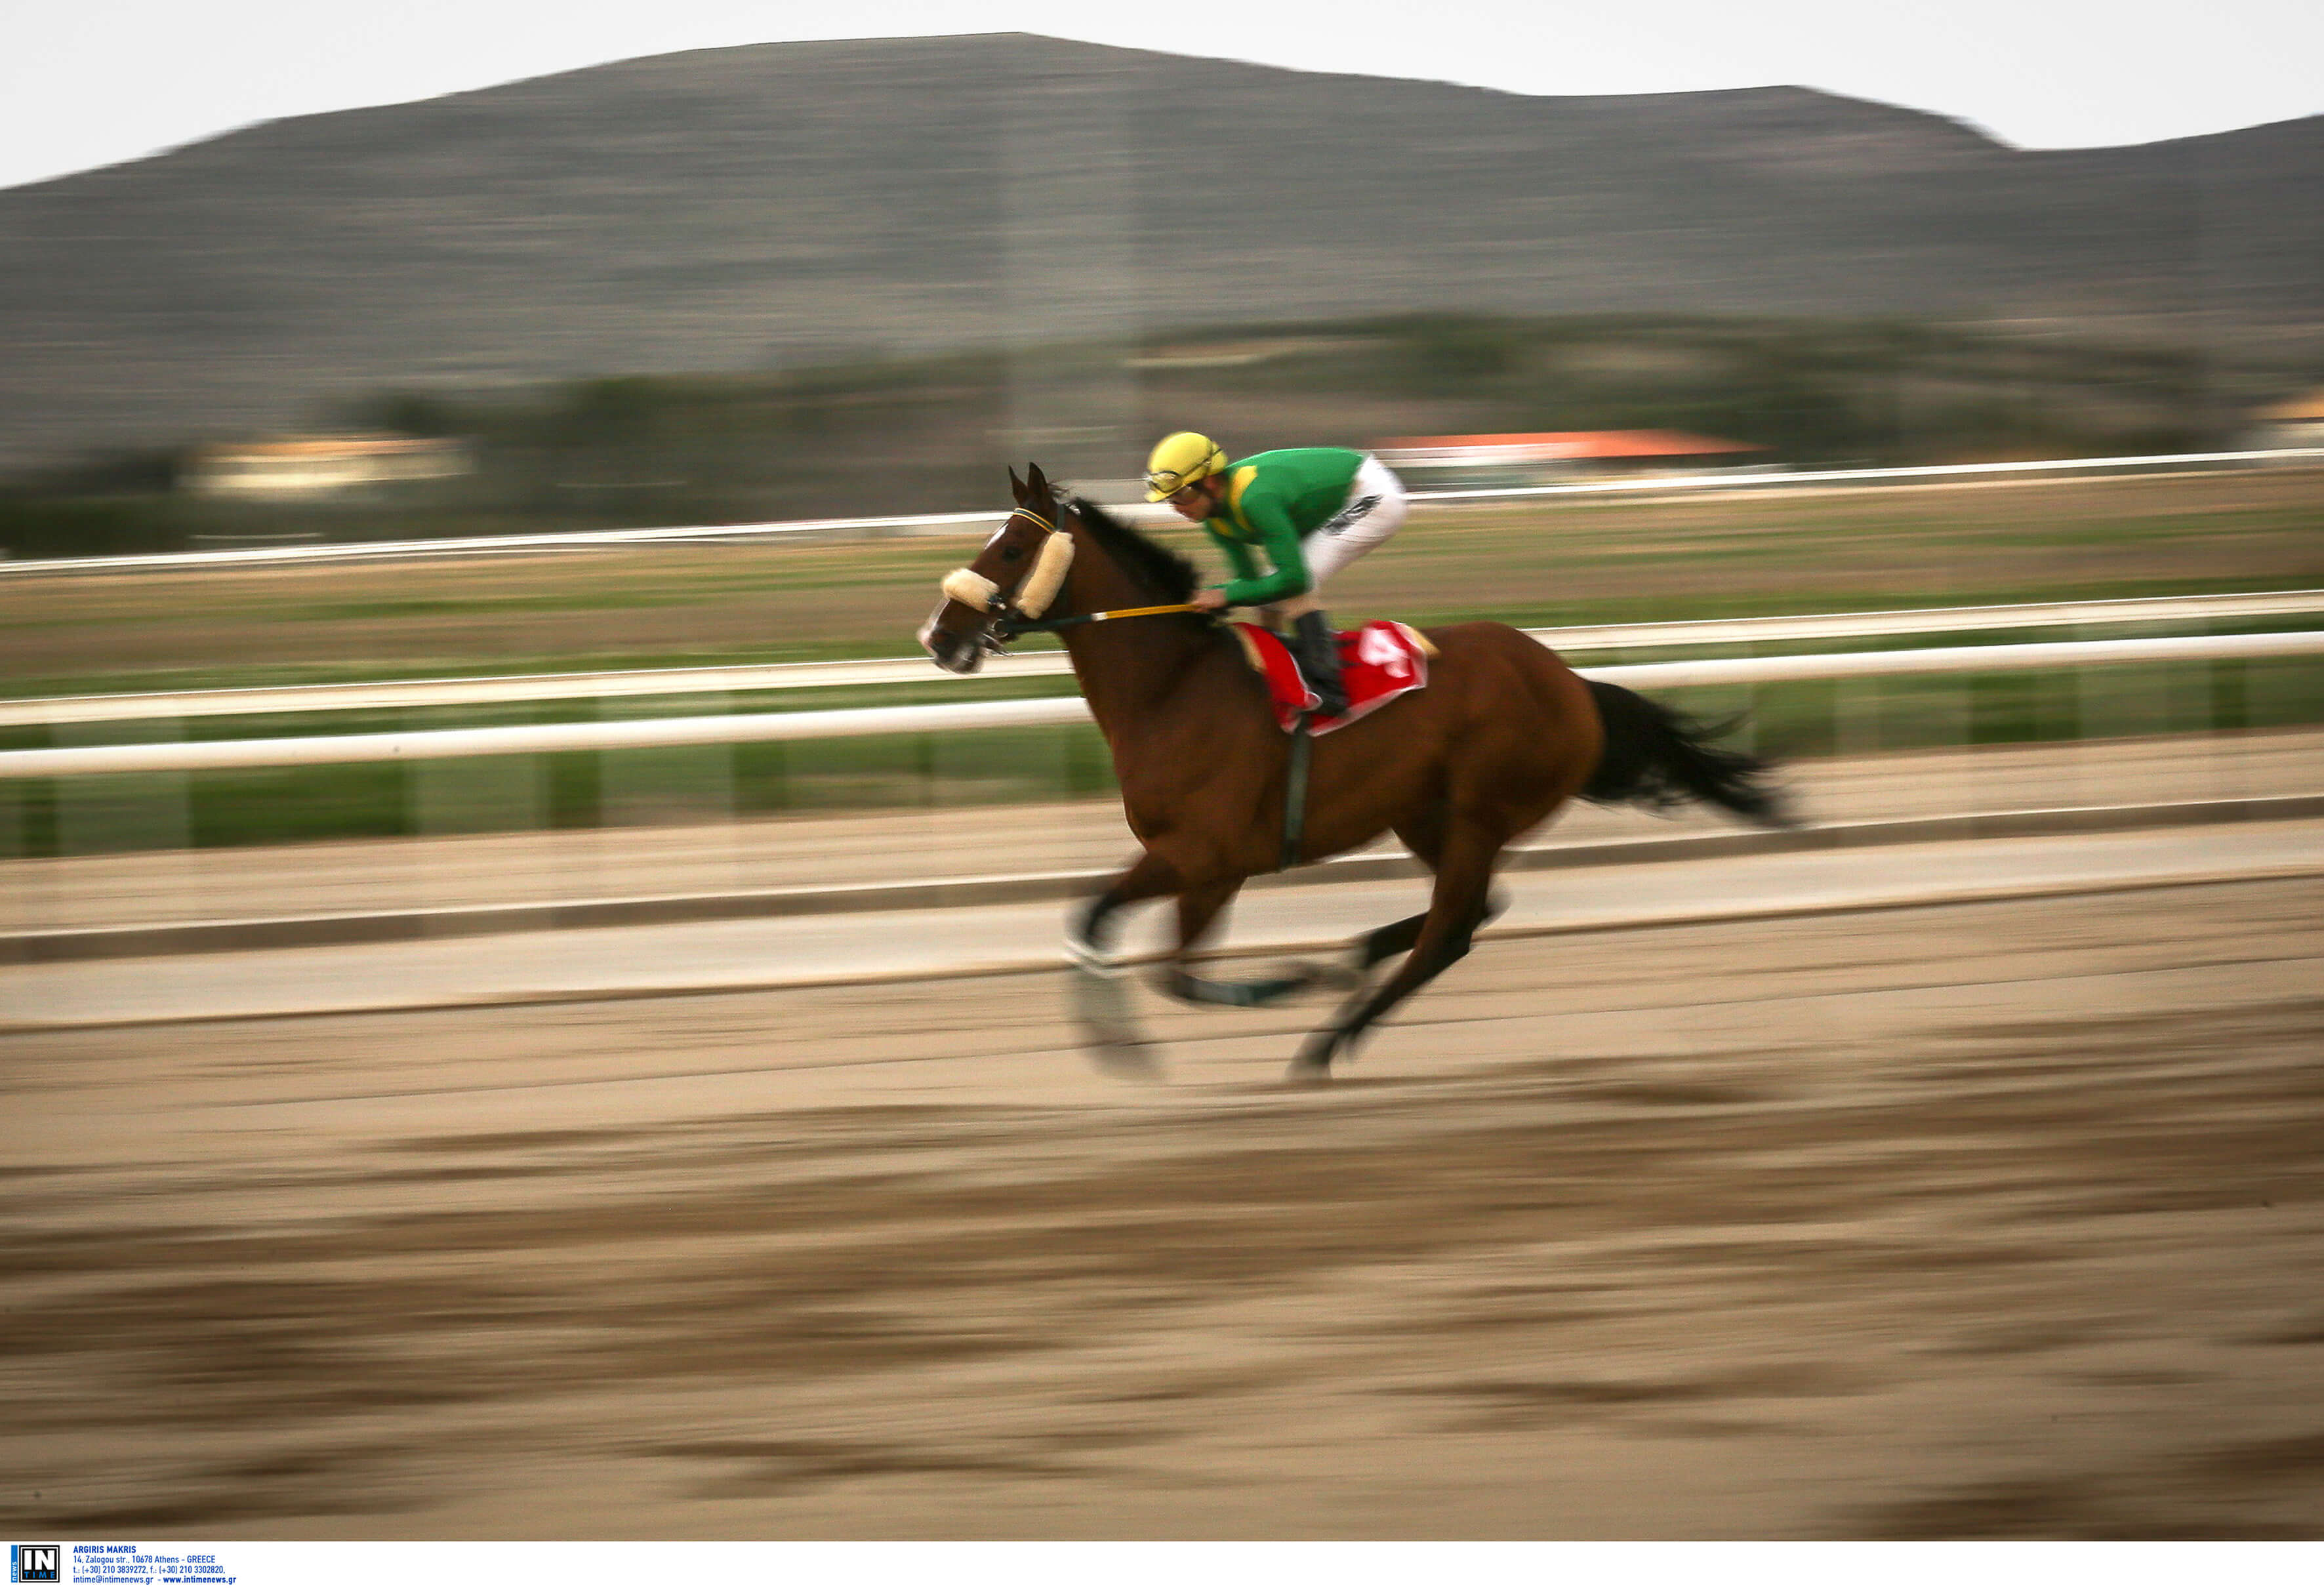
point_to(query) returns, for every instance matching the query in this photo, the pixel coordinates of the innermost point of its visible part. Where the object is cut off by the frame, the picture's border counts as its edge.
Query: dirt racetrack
(1993, 1220)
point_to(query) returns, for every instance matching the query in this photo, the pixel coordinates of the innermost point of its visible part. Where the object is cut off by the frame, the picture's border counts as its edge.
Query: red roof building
(1558, 452)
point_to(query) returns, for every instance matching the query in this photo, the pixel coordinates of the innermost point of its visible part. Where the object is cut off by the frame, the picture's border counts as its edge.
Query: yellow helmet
(1177, 461)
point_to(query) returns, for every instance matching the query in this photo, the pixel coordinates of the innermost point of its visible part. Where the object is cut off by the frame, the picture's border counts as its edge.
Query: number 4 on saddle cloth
(1378, 662)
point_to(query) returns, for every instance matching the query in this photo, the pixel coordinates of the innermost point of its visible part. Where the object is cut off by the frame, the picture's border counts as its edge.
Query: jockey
(1311, 510)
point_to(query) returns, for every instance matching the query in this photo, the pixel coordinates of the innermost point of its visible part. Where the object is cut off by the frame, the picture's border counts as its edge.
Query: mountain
(734, 209)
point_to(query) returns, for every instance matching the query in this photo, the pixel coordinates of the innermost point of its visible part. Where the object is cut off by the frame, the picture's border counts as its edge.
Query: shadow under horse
(1504, 735)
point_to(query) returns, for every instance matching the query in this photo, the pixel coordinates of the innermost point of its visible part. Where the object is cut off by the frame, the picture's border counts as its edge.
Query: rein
(1008, 628)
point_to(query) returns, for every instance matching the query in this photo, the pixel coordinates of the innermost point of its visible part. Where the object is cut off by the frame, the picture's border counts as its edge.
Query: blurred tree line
(905, 435)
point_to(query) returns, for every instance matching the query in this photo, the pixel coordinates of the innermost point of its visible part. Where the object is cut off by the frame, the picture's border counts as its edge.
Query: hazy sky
(89, 82)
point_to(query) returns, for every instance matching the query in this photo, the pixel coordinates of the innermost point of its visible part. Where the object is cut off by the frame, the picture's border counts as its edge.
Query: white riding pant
(1377, 507)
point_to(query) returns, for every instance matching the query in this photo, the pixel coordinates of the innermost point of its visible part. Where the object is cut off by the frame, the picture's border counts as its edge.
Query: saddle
(1378, 662)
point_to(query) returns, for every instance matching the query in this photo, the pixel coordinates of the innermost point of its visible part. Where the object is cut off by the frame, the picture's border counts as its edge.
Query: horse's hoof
(1111, 1030)
(1313, 1062)
(1125, 1061)
(1091, 960)
(1302, 1073)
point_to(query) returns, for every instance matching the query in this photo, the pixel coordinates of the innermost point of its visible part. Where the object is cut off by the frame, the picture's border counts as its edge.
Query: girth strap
(1295, 796)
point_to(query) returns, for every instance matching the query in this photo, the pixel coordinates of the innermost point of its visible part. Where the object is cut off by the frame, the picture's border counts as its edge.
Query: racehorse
(1503, 735)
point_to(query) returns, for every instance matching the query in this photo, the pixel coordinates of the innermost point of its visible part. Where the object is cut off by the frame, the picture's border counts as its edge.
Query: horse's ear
(1016, 486)
(1037, 484)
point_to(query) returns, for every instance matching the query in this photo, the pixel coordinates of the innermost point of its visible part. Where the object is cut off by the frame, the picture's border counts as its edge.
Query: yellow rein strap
(1099, 617)
(1008, 629)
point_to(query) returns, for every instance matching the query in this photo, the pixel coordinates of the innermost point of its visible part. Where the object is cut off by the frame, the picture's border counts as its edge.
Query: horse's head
(1016, 575)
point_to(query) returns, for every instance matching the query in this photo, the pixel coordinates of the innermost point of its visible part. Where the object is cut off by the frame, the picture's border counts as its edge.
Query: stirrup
(1319, 663)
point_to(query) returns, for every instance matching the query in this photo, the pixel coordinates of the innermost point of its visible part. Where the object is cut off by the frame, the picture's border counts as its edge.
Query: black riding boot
(1319, 659)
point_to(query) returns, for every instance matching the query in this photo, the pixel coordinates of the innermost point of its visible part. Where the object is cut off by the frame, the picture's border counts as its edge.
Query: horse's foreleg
(1090, 931)
(1198, 913)
(1463, 901)
(1100, 997)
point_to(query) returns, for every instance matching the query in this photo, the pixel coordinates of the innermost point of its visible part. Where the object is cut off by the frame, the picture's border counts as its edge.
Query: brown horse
(1504, 733)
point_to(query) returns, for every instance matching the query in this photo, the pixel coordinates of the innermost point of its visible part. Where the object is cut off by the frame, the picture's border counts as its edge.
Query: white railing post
(2199, 698)
(2088, 697)
(143, 808)
(688, 784)
(460, 797)
(25, 907)
(146, 810)
(1855, 717)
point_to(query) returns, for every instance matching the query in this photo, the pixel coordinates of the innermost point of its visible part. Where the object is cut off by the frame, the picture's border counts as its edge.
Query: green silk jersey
(1274, 500)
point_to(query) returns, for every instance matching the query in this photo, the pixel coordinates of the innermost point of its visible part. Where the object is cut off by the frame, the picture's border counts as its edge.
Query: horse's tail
(1659, 758)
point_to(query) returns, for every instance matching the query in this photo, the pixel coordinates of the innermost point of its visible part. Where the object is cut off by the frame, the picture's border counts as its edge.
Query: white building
(2298, 423)
(304, 467)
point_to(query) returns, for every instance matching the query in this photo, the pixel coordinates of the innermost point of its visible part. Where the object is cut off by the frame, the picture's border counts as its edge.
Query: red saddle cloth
(1378, 662)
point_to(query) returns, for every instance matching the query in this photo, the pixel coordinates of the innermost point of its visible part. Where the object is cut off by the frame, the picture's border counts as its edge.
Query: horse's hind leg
(1463, 901)
(1387, 942)
(1398, 937)
(1424, 835)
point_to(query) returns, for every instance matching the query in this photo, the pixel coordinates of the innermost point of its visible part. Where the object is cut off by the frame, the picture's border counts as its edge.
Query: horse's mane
(1150, 563)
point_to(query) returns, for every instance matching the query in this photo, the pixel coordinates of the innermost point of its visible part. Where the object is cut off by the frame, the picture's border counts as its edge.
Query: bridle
(1019, 612)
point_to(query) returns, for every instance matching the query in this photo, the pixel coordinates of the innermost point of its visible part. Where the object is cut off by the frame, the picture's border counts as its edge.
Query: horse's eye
(1012, 553)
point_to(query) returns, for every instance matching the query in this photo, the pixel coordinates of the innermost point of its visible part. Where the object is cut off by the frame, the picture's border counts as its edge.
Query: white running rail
(762, 727)
(2179, 610)
(1934, 473)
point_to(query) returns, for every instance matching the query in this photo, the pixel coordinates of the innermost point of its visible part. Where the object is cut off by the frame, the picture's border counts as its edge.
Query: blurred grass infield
(1590, 561)
(1566, 561)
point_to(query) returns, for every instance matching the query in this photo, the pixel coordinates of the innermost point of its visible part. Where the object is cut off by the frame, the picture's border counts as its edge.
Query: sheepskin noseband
(1040, 588)
(1040, 585)
(970, 588)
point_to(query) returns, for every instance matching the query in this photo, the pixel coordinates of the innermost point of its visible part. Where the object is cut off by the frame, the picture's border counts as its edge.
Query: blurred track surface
(1993, 1218)
(907, 944)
